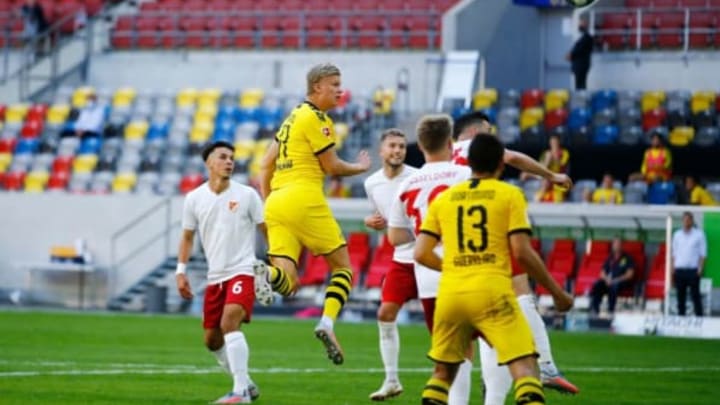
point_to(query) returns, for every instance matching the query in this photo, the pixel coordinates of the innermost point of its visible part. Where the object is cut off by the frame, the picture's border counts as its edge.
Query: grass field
(72, 358)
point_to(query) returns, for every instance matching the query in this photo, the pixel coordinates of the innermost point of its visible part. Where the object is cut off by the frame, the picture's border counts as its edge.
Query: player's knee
(388, 312)
(214, 340)
(232, 318)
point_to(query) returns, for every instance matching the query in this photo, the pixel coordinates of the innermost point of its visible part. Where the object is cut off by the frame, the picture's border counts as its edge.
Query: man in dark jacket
(580, 55)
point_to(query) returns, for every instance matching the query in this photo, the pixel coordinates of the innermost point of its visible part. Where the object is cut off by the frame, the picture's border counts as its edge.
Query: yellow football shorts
(297, 217)
(493, 312)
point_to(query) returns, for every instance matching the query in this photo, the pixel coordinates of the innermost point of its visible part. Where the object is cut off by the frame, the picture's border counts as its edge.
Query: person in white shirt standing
(399, 284)
(225, 214)
(689, 250)
(408, 210)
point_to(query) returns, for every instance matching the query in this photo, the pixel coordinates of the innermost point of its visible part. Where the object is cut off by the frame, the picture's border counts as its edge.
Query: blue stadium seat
(605, 134)
(491, 112)
(27, 145)
(223, 135)
(459, 111)
(579, 117)
(603, 99)
(246, 114)
(227, 111)
(158, 130)
(226, 124)
(661, 192)
(89, 146)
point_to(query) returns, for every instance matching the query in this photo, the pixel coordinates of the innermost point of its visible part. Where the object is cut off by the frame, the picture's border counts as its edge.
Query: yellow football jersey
(474, 219)
(305, 133)
(700, 196)
(607, 196)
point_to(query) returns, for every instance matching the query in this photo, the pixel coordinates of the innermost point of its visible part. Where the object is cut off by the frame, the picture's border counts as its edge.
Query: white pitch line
(191, 370)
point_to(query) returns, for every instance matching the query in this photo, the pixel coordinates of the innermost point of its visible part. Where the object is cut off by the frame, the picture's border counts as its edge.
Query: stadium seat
(531, 98)
(124, 97)
(556, 99)
(702, 27)
(635, 192)
(37, 112)
(556, 118)
(485, 98)
(651, 100)
(638, 3)
(14, 180)
(27, 145)
(359, 250)
(58, 180)
(707, 136)
(588, 272)
(35, 181)
(89, 145)
(251, 98)
(16, 113)
(80, 95)
(702, 101)
(5, 161)
(629, 117)
(85, 163)
(655, 283)
(8, 145)
(681, 136)
(531, 117)
(605, 116)
(603, 99)
(661, 192)
(579, 117)
(380, 264)
(653, 118)
(186, 97)
(670, 29)
(190, 182)
(605, 135)
(636, 250)
(124, 182)
(316, 270)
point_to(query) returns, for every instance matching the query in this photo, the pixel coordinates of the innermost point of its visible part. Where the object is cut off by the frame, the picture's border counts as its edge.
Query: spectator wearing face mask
(91, 119)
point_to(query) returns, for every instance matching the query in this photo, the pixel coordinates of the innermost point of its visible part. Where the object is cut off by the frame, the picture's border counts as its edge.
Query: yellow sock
(337, 292)
(435, 392)
(529, 391)
(280, 281)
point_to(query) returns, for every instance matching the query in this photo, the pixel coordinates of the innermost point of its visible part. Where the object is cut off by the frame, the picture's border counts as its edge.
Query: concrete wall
(363, 72)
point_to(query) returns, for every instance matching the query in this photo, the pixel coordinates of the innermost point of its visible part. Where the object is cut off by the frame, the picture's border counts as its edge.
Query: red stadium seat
(653, 119)
(638, 3)
(290, 32)
(670, 30)
(316, 271)
(147, 32)
(359, 250)
(665, 3)
(190, 182)
(531, 98)
(195, 35)
(556, 118)
(702, 27)
(588, 273)
(7, 145)
(58, 180)
(219, 32)
(31, 128)
(693, 3)
(394, 5)
(14, 181)
(560, 263)
(169, 31)
(123, 33)
(37, 112)
(244, 29)
(380, 264)
(62, 164)
(3, 109)
(636, 250)
(655, 283)
(93, 7)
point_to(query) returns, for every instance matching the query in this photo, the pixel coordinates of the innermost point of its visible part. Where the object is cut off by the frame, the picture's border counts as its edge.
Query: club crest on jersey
(233, 205)
(326, 131)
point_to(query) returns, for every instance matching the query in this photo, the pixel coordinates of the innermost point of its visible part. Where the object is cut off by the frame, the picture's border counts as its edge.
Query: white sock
(460, 389)
(389, 349)
(238, 354)
(537, 326)
(497, 379)
(221, 357)
(327, 322)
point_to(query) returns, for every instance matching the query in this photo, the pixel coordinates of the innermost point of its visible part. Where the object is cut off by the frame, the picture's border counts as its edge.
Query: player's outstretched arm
(525, 163)
(424, 253)
(183, 284)
(267, 168)
(332, 164)
(531, 262)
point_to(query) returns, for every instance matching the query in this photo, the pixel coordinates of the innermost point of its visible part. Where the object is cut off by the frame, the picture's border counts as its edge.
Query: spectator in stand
(697, 195)
(689, 250)
(34, 23)
(337, 189)
(580, 55)
(617, 274)
(556, 158)
(607, 193)
(657, 162)
(91, 119)
(549, 193)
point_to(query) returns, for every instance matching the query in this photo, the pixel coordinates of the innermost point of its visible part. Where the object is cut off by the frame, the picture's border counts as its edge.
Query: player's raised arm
(334, 166)
(267, 168)
(525, 163)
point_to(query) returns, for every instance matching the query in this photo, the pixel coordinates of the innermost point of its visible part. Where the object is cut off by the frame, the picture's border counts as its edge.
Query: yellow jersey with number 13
(474, 219)
(304, 134)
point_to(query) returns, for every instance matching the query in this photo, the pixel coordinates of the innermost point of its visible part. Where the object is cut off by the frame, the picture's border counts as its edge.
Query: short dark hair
(391, 132)
(466, 120)
(209, 148)
(486, 153)
(434, 131)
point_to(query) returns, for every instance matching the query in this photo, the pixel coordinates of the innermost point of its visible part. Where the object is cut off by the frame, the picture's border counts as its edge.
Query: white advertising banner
(657, 324)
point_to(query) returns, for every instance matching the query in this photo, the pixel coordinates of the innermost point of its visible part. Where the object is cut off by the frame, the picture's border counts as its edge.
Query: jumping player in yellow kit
(296, 211)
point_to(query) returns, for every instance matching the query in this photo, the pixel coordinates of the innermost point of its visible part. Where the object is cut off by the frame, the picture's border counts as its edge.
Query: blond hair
(434, 131)
(319, 72)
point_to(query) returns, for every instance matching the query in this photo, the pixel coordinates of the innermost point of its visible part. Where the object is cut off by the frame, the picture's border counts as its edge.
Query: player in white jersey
(399, 283)
(496, 378)
(409, 208)
(225, 214)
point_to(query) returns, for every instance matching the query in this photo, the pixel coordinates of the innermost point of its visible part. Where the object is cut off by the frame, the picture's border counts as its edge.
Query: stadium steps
(133, 299)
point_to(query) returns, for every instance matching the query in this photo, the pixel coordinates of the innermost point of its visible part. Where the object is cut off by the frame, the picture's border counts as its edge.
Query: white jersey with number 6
(411, 204)
(226, 223)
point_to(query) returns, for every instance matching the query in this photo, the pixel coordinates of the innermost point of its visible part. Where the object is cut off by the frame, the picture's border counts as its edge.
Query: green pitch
(71, 358)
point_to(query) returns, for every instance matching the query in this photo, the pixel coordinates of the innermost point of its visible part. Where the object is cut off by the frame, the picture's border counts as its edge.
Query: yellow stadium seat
(206, 111)
(186, 97)
(136, 129)
(555, 99)
(5, 160)
(681, 136)
(244, 149)
(251, 98)
(260, 149)
(79, 97)
(384, 99)
(209, 96)
(484, 98)
(652, 100)
(702, 101)
(84, 163)
(36, 181)
(124, 182)
(58, 113)
(124, 97)
(200, 134)
(531, 117)
(16, 113)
